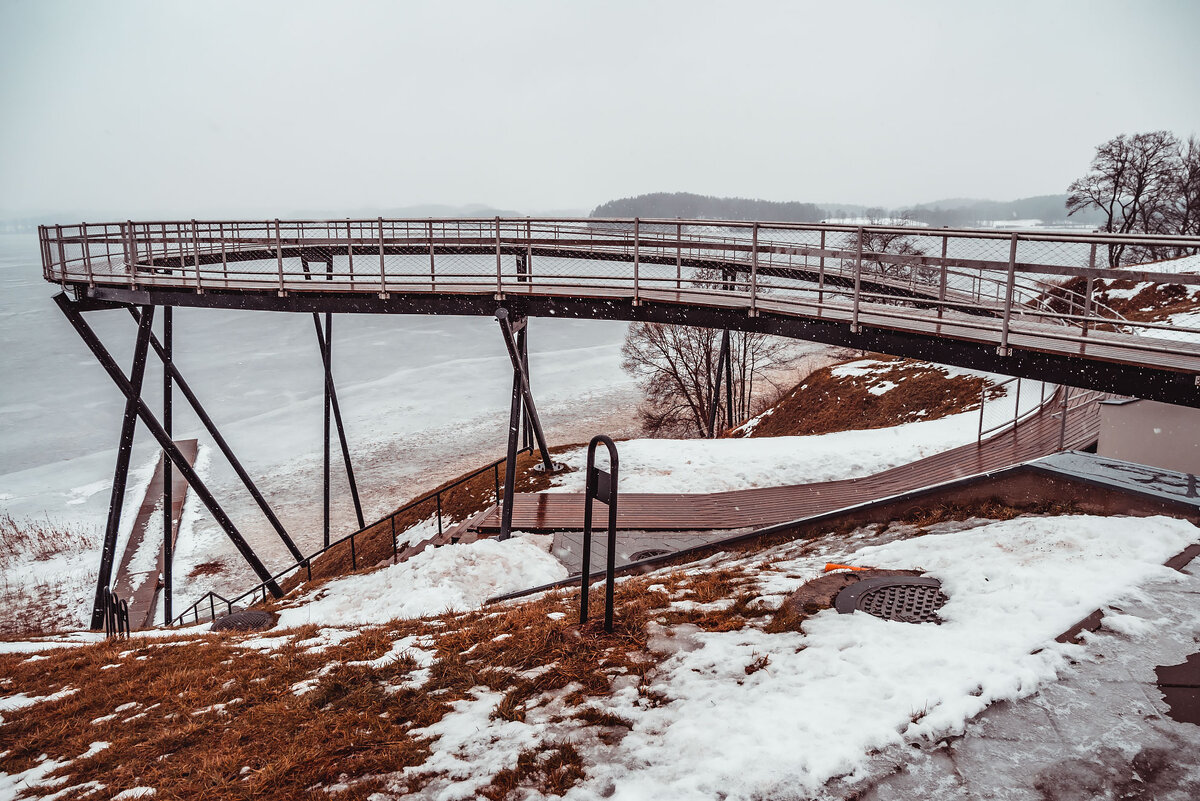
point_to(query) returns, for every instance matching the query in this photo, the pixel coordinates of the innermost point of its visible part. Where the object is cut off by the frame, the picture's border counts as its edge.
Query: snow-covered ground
(437, 580)
(821, 701)
(700, 466)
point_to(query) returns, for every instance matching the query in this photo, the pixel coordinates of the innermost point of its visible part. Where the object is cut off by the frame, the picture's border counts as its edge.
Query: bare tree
(878, 246)
(678, 366)
(1133, 181)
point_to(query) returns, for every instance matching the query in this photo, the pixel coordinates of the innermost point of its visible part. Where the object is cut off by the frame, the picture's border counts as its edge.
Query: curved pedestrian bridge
(1019, 303)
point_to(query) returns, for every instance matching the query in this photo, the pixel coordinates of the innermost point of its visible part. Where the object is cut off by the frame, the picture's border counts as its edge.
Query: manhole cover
(911, 599)
(246, 620)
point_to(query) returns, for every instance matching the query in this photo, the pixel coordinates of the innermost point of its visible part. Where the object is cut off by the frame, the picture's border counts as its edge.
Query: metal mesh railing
(982, 285)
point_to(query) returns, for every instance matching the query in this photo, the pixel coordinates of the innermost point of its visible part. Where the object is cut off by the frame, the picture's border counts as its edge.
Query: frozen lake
(423, 398)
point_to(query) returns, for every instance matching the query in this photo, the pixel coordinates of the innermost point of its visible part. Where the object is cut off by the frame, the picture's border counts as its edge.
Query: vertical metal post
(821, 276)
(982, 403)
(528, 251)
(637, 225)
(1017, 405)
(279, 256)
(224, 263)
(382, 267)
(678, 255)
(395, 550)
(439, 513)
(499, 280)
(1008, 294)
(168, 501)
(121, 473)
(1087, 298)
(944, 277)
(132, 253)
(857, 282)
(1062, 428)
(510, 463)
(753, 275)
(326, 430)
(325, 342)
(195, 256)
(87, 255)
(600, 486)
(429, 231)
(350, 253)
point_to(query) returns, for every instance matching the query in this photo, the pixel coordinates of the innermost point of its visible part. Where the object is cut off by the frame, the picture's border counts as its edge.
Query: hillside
(860, 395)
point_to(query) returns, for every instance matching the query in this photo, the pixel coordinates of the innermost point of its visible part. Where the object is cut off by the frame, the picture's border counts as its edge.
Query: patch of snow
(135, 792)
(12, 703)
(452, 578)
(1012, 586)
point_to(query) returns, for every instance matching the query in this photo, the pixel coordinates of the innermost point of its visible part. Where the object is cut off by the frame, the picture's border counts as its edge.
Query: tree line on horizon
(1048, 208)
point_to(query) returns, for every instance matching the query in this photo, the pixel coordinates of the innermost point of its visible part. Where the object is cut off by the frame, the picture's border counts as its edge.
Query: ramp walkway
(142, 563)
(1039, 435)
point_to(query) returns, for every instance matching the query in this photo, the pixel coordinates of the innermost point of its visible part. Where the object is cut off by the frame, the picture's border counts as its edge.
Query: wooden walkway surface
(137, 575)
(1032, 438)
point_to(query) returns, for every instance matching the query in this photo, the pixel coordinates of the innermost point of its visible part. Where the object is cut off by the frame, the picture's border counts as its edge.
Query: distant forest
(955, 212)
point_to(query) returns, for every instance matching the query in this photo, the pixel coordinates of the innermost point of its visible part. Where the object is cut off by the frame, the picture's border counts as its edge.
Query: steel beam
(1136, 380)
(521, 377)
(116, 500)
(168, 517)
(325, 342)
(151, 422)
(219, 441)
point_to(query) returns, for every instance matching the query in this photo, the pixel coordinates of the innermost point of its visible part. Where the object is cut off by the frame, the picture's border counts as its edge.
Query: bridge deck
(1032, 438)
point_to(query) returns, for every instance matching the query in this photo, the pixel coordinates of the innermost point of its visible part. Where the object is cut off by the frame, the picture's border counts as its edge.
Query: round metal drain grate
(246, 620)
(910, 599)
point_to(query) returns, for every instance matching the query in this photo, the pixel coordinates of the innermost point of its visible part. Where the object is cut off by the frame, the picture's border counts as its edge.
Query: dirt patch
(887, 392)
(1153, 303)
(206, 569)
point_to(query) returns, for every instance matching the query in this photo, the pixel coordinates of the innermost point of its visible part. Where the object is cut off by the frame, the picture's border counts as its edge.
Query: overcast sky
(136, 109)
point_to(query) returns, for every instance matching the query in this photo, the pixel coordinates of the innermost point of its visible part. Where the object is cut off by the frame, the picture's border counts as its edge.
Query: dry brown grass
(354, 725)
(1153, 304)
(824, 403)
(206, 569)
(38, 540)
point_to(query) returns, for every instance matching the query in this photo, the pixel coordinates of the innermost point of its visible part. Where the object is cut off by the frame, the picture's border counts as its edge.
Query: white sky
(136, 109)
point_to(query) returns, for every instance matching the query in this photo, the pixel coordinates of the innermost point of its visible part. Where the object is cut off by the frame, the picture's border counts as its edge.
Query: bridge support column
(133, 397)
(515, 339)
(166, 356)
(116, 500)
(325, 343)
(168, 517)
(724, 365)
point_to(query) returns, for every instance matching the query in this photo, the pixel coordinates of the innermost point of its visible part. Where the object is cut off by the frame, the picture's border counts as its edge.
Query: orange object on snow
(829, 566)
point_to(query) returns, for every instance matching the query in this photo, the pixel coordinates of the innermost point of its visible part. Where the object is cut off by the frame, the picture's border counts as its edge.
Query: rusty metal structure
(1019, 303)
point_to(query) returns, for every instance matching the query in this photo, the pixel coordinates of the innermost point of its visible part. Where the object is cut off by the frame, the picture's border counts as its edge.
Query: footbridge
(1020, 303)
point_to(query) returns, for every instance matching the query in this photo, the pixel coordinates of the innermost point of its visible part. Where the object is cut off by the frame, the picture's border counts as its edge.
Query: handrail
(260, 589)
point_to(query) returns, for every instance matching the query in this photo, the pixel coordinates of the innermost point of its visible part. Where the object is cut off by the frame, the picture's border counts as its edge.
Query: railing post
(429, 231)
(87, 255)
(439, 513)
(1087, 297)
(196, 256)
(1017, 405)
(821, 276)
(637, 227)
(944, 277)
(353, 554)
(982, 403)
(279, 256)
(1008, 295)
(499, 279)
(395, 554)
(857, 282)
(753, 276)
(1062, 428)
(678, 255)
(383, 292)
